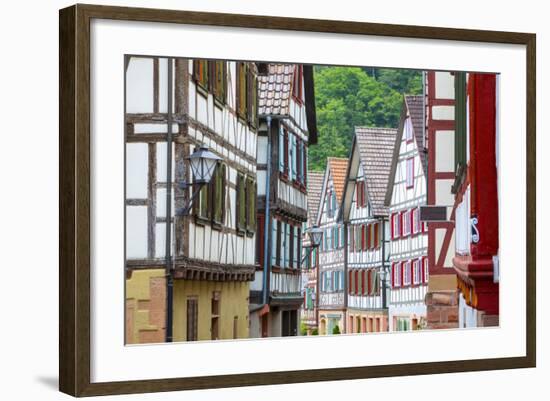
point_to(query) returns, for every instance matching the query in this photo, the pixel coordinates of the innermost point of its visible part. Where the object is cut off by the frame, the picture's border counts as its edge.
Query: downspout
(267, 219)
(168, 244)
(345, 277)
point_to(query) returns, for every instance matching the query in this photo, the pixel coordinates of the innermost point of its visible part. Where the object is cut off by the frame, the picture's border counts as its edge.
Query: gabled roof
(413, 108)
(338, 167)
(314, 187)
(275, 90)
(372, 149)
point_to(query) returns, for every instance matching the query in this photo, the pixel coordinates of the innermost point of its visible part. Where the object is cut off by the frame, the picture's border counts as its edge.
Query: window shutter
(393, 275)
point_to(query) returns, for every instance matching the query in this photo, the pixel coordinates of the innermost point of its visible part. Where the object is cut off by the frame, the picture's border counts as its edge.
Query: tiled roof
(274, 89)
(414, 107)
(338, 167)
(314, 187)
(376, 150)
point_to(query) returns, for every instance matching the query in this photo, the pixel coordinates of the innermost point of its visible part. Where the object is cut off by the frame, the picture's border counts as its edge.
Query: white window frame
(417, 272)
(409, 173)
(406, 273)
(406, 221)
(397, 275)
(396, 225)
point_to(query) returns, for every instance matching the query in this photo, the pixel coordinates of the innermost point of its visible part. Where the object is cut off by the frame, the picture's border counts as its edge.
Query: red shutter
(403, 266)
(376, 234)
(356, 281)
(392, 275)
(363, 281)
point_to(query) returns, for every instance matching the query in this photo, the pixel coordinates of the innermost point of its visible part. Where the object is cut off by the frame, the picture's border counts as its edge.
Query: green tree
(336, 330)
(347, 97)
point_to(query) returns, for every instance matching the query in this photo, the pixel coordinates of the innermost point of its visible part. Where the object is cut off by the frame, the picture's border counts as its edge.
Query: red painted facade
(476, 271)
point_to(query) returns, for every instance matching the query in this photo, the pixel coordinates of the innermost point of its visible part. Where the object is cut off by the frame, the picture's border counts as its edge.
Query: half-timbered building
(365, 219)
(310, 267)
(441, 298)
(287, 126)
(406, 192)
(188, 271)
(331, 275)
(475, 209)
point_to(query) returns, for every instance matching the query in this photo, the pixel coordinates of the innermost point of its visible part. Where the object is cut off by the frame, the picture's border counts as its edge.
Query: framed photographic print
(250, 200)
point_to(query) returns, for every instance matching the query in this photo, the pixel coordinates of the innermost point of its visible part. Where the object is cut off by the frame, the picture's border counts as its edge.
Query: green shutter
(460, 126)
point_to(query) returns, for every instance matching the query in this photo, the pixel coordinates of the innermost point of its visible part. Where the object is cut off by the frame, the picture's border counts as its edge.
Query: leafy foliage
(336, 330)
(347, 97)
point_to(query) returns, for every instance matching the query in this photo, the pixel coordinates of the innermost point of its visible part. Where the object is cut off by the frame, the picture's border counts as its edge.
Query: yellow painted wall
(233, 302)
(145, 306)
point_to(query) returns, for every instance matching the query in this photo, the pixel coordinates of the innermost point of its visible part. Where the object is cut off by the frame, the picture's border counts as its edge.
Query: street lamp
(203, 163)
(383, 278)
(315, 236)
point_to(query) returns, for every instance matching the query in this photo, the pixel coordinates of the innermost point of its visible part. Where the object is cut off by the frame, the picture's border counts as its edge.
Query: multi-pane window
(406, 272)
(416, 224)
(417, 271)
(410, 172)
(406, 222)
(396, 225)
(396, 274)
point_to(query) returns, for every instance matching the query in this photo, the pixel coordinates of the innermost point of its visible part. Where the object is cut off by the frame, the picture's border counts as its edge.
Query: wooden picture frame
(74, 203)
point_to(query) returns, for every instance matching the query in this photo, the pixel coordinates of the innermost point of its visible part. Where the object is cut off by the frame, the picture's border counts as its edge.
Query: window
(396, 276)
(408, 127)
(363, 237)
(201, 206)
(417, 271)
(292, 157)
(406, 267)
(425, 269)
(406, 223)
(396, 225)
(304, 163)
(416, 225)
(410, 172)
(200, 73)
(192, 319)
(297, 88)
(219, 81)
(246, 204)
(242, 74)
